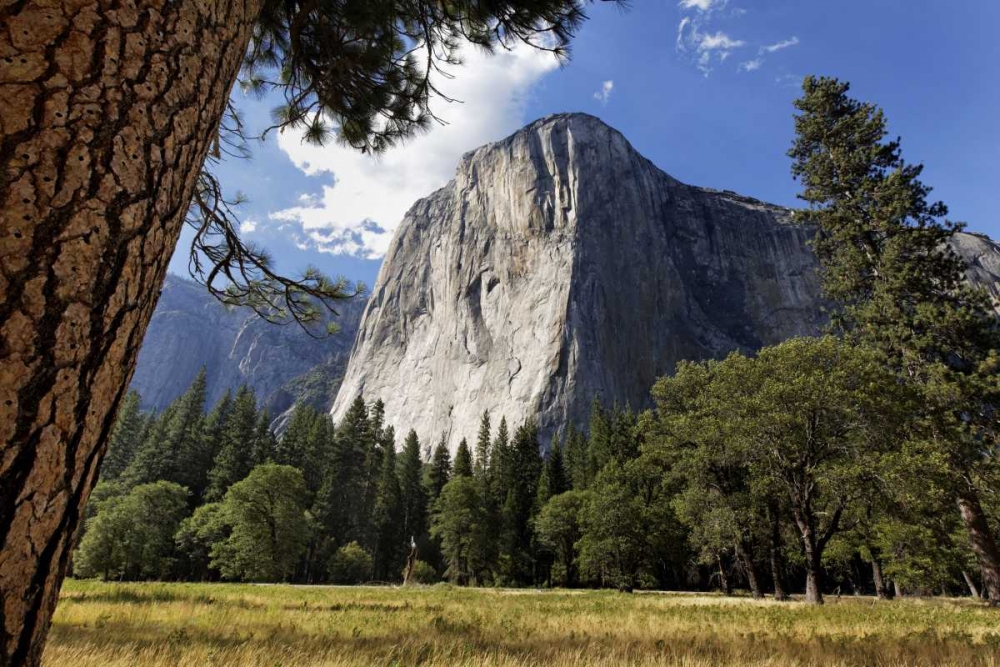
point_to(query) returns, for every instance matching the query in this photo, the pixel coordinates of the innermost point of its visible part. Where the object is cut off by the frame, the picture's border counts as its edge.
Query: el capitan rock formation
(559, 265)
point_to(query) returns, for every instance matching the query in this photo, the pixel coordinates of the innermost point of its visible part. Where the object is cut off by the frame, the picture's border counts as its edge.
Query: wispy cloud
(771, 48)
(604, 92)
(720, 41)
(248, 226)
(704, 47)
(701, 42)
(702, 5)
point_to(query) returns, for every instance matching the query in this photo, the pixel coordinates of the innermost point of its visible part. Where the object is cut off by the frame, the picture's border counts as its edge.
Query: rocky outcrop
(560, 265)
(281, 363)
(983, 256)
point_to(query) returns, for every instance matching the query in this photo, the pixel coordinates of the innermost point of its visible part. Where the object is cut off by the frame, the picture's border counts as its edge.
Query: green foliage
(351, 564)
(628, 524)
(342, 494)
(235, 456)
(131, 537)
(901, 289)
(126, 438)
(577, 465)
(268, 525)
(413, 497)
(174, 448)
(463, 460)
(388, 518)
(459, 523)
(559, 530)
(353, 72)
(196, 537)
(439, 470)
(517, 510)
(483, 449)
(423, 573)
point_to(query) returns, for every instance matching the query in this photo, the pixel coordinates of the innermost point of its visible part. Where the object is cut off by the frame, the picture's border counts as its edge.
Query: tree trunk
(882, 591)
(814, 570)
(750, 567)
(727, 588)
(983, 543)
(107, 111)
(777, 562)
(897, 588)
(973, 589)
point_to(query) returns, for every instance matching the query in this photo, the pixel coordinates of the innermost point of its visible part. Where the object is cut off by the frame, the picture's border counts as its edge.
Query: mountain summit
(560, 265)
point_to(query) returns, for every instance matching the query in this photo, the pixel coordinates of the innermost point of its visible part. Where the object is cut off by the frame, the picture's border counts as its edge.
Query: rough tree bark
(983, 544)
(107, 110)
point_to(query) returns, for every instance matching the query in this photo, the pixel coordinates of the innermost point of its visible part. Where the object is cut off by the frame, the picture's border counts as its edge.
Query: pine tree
(599, 445)
(624, 444)
(544, 492)
(319, 453)
(884, 257)
(556, 467)
(439, 471)
(526, 467)
(293, 446)
(388, 519)
(374, 451)
(174, 450)
(214, 433)
(126, 439)
(414, 496)
(234, 460)
(264, 443)
(500, 464)
(483, 449)
(341, 498)
(463, 460)
(576, 458)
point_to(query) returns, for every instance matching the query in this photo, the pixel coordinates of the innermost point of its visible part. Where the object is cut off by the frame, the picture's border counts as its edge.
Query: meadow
(235, 625)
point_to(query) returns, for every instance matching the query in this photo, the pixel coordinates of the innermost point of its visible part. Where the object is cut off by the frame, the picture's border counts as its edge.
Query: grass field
(199, 625)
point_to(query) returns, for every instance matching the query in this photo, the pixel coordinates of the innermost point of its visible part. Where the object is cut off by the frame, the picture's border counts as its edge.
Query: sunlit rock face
(560, 264)
(983, 256)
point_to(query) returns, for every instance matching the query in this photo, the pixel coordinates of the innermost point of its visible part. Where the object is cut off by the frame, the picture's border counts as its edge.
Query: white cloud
(718, 41)
(604, 93)
(248, 226)
(780, 45)
(702, 5)
(357, 213)
(708, 48)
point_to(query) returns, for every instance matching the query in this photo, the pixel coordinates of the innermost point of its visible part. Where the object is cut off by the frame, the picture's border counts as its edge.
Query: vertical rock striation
(560, 265)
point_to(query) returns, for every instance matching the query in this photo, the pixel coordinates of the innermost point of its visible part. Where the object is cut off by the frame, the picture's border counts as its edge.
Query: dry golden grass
(200, 625)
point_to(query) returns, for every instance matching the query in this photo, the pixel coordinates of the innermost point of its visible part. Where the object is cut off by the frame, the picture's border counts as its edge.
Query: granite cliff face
(560, 265)
(282, 364)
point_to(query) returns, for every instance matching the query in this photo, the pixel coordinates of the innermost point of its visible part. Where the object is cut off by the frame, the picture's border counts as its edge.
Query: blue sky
(703, 88)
